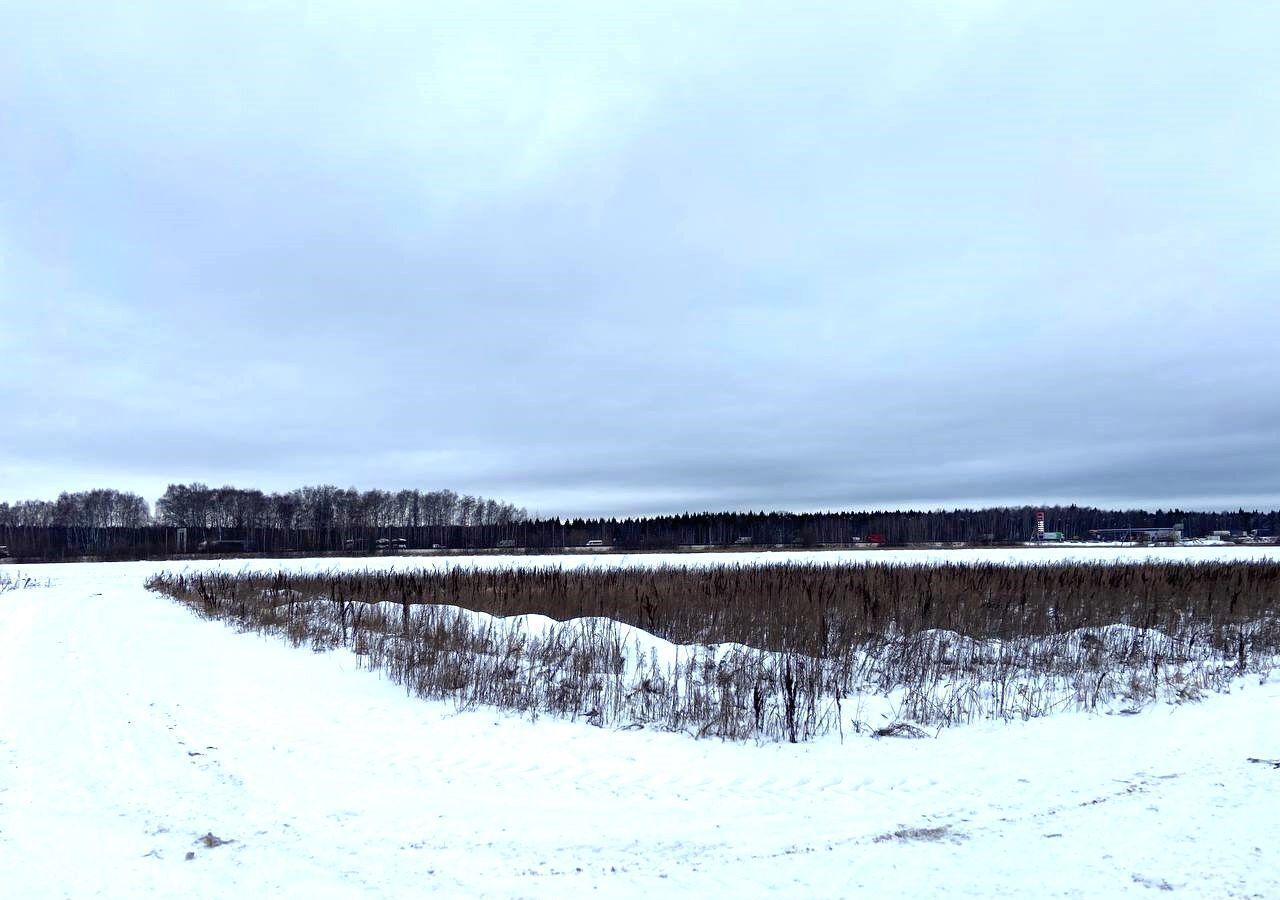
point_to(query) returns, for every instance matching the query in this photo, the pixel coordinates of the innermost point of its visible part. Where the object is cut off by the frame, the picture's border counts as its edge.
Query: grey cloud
(607, 260)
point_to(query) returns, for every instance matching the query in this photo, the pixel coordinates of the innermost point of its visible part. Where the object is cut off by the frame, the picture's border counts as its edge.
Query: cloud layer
(608, 260)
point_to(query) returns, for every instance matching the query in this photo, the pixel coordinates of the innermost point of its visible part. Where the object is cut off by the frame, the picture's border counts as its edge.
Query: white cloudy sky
(597, 257)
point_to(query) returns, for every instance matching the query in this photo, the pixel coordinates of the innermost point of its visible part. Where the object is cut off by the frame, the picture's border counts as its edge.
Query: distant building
(1172, 533)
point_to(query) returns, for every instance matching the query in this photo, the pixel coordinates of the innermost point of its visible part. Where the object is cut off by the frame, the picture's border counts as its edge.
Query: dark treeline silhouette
(994, 525)
(102, 508)
(315, 519)
(319, 507)
(326, 519)
(327, 507)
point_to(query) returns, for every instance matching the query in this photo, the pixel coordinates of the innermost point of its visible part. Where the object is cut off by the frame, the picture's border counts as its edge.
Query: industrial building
(1169, 534)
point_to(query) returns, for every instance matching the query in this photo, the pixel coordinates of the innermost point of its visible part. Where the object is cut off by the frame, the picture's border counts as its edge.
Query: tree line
(314, 507)
(988, 526)
(102, 508)
(326, 519)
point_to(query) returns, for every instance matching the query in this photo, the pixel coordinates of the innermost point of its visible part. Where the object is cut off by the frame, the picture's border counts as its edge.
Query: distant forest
(326, 519)
(318, 507)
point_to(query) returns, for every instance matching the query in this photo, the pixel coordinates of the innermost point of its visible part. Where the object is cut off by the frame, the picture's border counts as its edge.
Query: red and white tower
(1039, 524)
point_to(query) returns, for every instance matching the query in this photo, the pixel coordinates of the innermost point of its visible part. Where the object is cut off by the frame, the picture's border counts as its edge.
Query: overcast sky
(624, 258)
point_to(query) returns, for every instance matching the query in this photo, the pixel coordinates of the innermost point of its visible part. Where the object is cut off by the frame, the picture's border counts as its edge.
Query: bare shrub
(16, 581)
(775, 652)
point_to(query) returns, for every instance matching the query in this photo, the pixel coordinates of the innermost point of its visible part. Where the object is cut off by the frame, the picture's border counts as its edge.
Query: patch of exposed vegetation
(779, 652)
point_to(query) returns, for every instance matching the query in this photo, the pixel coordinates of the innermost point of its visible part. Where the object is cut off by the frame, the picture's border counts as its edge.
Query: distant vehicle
(595, 543)
(506, 545)
(875, 538)
(225, 546)
(437, 546)
(743, 541)
(390, 545)
(4, 551)
(355, 544)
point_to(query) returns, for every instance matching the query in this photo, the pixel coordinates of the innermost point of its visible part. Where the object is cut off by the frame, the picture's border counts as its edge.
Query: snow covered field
(1006, 555)
(130, 729)
(1011, 556)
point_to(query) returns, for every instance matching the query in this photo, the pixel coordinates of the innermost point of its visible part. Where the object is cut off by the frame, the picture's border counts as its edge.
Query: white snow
(129, 728)
(1004, 556)
(1081, 553)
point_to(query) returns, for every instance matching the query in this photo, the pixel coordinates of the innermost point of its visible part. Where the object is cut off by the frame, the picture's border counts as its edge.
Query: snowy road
(129, 729)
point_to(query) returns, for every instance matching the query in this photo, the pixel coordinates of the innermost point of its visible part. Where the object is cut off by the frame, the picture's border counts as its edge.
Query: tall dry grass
(779, 652)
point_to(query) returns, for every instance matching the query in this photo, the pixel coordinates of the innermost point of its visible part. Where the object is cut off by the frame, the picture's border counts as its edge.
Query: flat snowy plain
(130, 729)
